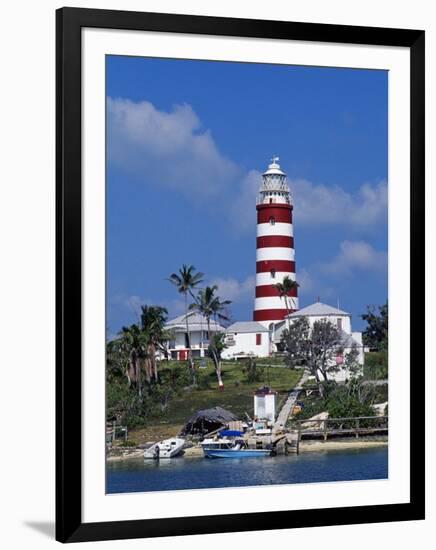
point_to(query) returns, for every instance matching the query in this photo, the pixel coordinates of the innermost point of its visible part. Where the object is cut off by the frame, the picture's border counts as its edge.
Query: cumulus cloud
(234, 290)
(170, 147)
(174, 151)
(128, 307)
(354, 261)
(332, 205)
(356, 256)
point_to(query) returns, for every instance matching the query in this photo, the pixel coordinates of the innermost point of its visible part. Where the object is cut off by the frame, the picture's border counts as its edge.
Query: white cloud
(234, 290)
(128, 307)
(355, 261)
(356, 256)
(169, 147)
(305, 281)
(175, 152)
(332, 205)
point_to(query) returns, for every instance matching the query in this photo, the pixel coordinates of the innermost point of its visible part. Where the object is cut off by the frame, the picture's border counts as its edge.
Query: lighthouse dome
(274, 183)
(274, 168)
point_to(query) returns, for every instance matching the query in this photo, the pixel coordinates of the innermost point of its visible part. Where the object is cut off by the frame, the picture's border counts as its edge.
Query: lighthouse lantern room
(275, 254)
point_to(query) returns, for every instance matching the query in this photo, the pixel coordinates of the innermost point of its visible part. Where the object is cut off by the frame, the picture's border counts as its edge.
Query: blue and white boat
(225, 448)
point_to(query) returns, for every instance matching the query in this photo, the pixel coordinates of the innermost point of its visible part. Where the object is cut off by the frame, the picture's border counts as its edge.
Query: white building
(265, 401)
(341, 319)
(245, 339)
(198, 332)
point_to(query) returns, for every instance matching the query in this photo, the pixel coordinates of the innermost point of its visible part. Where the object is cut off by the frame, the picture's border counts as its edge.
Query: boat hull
(168, 448)
(236, 453)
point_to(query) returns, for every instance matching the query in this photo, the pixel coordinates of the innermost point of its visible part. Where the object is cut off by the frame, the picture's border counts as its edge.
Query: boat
(168, 448)
(224, 448)
(209, 444)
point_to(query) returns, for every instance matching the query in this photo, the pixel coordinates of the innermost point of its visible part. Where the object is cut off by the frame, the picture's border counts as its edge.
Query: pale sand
(307, 446)
(136, 453)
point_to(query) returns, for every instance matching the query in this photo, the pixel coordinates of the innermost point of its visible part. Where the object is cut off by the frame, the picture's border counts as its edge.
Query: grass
(237, 397)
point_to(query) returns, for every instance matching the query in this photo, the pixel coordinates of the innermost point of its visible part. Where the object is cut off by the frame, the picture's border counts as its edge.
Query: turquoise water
(200, 473)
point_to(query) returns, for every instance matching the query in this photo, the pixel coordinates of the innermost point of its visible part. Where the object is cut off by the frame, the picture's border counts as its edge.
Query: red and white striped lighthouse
(275, 255)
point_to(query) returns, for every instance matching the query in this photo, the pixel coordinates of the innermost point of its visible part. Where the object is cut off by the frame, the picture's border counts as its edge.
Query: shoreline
(305, 447)
(313, 446)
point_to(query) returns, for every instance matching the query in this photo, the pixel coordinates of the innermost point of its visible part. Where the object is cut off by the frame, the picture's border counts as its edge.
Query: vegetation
(145, 390)
(376, 365)
(286, 288)
(315, 348)
(133, 353)
(238, 394)
(207, 303)
(167, 405)
(375, 336)
(340, 401)
(252, 371)
(186, 280)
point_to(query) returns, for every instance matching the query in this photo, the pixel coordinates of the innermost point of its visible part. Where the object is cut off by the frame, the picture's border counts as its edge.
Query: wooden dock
(288, 441)
(325, 428)
(286, 410)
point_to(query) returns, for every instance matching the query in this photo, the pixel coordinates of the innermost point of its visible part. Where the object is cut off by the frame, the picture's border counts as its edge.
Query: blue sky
(186, 144)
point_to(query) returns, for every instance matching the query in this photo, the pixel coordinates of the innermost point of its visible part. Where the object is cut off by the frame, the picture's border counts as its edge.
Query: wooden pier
(358, 426)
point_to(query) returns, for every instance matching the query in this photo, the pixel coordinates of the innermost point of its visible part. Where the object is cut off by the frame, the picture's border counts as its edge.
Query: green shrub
(129, 443)
(252, 371)
(376, 365)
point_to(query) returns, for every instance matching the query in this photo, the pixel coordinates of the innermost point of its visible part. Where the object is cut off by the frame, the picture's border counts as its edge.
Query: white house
(341, 319)
(247, 338)
(199, 335)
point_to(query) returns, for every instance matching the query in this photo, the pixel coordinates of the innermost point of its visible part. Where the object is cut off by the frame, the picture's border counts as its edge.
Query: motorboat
(168, 448)
(224, 448)
(221, 443)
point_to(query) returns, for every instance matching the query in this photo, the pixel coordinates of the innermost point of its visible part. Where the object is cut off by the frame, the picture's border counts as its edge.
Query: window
(273, 273)
(258, 339)
(339, 323)
(272, 220)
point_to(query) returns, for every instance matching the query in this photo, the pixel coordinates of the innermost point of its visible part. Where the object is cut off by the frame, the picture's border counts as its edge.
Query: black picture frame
(69, 22)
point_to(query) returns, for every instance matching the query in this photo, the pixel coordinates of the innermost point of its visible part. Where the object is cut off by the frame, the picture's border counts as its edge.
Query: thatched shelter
(207, 420)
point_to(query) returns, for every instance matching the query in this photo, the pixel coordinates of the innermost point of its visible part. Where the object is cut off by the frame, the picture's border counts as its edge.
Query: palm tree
(153, 319)
(132, 344)
(186, 280)
(210, 305)
(285, 289)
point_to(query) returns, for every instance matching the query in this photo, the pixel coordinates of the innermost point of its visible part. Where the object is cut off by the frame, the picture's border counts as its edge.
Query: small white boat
(168, 448)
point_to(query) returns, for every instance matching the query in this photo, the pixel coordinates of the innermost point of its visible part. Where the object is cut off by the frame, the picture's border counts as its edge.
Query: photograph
(246, 274)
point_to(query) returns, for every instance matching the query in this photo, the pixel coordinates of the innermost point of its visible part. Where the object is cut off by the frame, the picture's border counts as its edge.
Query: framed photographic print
(240, 274)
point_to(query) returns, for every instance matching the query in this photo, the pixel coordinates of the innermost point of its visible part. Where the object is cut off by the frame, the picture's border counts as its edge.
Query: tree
(326, 344)
(376, 333)
(210, 305)
(315, 348)
(217, 344)
(352, 362)
(253, 372)
(132, 345)
(186, 280)
(153, 319)
(286, 289)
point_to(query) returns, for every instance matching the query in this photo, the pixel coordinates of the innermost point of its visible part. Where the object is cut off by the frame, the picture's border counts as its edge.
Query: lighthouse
(275, 254)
